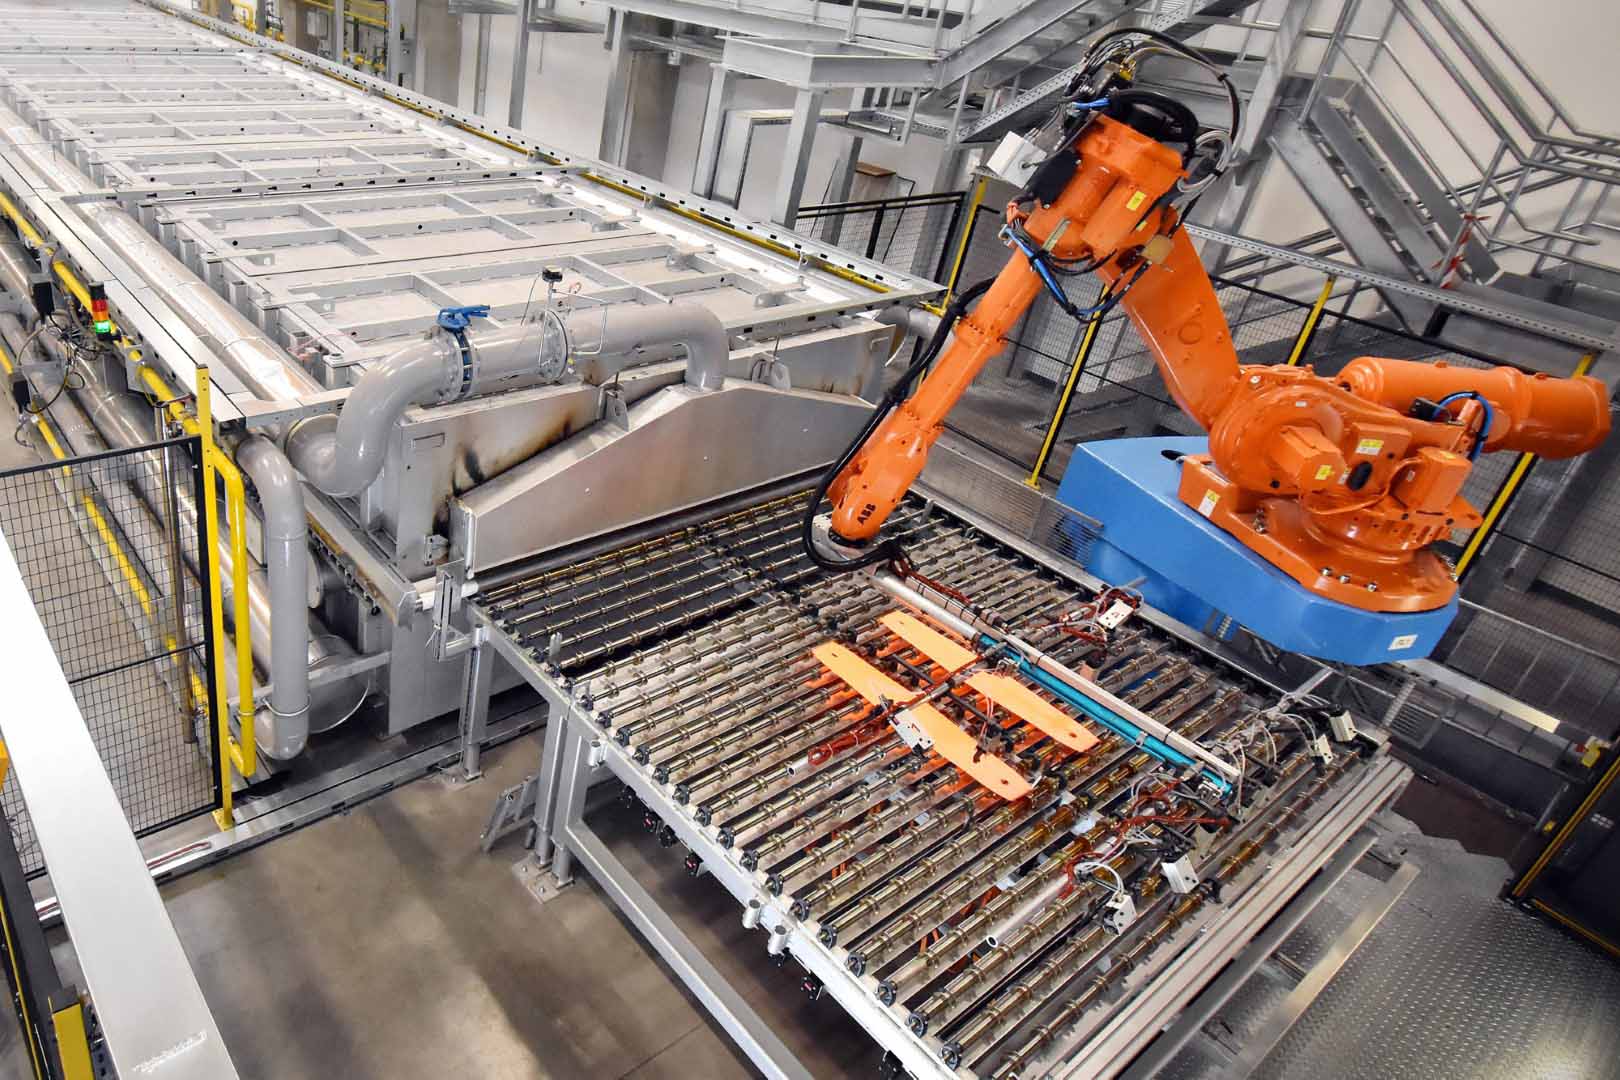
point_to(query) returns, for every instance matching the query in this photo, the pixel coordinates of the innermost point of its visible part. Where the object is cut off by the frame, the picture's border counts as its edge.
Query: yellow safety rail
(72, 1043)
(240, 753)
(1311, 320)
(1061, 411)
(962, 246)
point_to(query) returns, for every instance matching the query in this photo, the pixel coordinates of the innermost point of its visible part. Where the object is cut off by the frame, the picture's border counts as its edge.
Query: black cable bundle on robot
(888, 549)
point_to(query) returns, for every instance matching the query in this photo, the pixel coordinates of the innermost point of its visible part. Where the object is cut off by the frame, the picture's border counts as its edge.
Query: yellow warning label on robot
(1136, 200)
(1369, 446)
(1206, 505)
(1324, 471)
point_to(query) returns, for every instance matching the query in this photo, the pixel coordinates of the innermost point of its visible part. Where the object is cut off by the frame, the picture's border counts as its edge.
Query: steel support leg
(550, 777)
(570, 811)
(753, 1036)
(520, 65)
(714, 129)
(843, 183)
(937, 219)
(796, 157)
(475, 686)
(340, 31)
(1252, 152)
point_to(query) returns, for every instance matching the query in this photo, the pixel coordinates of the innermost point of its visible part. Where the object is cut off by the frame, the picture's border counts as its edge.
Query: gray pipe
(286, 549)
(621, 331)
(343, 455)
(915, 320)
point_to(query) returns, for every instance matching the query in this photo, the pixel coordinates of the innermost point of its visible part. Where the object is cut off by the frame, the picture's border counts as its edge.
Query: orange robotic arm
(1342, 483)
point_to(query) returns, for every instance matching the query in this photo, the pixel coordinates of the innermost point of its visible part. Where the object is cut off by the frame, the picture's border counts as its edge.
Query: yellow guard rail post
(1062, 409)
(1308, 331)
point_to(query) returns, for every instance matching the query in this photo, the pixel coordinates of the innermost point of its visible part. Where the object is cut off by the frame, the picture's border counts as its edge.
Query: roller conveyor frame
(580, 752)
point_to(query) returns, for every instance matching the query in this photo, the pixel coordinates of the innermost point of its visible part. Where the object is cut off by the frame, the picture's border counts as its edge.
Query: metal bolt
(1372, 586)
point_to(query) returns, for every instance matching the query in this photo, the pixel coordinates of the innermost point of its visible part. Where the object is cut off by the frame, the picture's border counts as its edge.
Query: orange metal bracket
(950, 742)
(1004, 690)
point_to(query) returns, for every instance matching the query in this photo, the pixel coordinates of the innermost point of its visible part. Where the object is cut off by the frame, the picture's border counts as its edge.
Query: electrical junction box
(1343, 726)
(1014, 159)
(1179, 874)
(1119, 912)
(1116, 614)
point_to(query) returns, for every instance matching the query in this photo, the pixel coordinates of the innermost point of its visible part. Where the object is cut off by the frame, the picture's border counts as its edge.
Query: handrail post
(967, 238)
(1060, 411)
(216, 598)
(1308, 330)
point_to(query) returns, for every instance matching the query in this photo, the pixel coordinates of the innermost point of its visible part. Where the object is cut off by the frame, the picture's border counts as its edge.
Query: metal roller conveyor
(973, 936)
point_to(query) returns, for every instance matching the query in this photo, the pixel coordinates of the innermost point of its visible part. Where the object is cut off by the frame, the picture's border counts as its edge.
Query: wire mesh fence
(911, 233)
(122, 598)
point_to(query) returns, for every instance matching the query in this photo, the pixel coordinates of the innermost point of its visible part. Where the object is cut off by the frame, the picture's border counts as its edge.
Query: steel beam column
(481, 68)
(714, 130)
(520, 64)
(796, 157)
(616, 108)
(401, 50)
(340, 31)
(1252, 152)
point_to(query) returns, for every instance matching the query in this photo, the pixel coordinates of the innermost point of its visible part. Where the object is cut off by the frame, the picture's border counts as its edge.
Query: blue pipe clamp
(455, 321)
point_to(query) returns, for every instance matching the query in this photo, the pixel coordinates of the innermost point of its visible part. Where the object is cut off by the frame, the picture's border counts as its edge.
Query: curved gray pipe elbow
(624, 330)
(342, 455)
(915, 321)
(286, 560)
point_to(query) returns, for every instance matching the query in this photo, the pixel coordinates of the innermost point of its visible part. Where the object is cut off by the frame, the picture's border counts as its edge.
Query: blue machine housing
(1199, 573)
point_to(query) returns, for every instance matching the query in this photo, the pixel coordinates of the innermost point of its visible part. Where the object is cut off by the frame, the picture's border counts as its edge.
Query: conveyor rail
(949, 922)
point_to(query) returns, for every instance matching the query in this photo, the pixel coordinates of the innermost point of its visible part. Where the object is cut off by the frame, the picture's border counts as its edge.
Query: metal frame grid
(351, 275)
(129, 622)
(183, 120)
(621, 646)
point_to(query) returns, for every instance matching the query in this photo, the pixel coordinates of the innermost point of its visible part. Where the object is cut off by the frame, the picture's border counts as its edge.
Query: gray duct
(343, 455)
(286, 555)
(916, 321)
(623, 331)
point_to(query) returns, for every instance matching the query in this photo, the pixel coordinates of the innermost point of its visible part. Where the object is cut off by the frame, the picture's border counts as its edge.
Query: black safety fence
(112, 553)
(913, 233)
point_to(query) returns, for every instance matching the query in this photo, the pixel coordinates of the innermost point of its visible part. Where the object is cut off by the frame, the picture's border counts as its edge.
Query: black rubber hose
(897, 393)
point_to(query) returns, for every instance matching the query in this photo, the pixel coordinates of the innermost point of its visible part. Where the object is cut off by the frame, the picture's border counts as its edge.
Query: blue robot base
(1201, 575)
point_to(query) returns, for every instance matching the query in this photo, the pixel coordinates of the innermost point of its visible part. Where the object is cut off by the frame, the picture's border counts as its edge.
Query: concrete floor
(383, 943)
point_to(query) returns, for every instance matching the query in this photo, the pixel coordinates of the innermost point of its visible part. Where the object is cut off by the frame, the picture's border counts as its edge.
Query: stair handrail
(1528, 147)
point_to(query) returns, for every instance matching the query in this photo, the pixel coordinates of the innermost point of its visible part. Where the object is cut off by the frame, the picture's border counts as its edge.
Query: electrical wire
(888, 549)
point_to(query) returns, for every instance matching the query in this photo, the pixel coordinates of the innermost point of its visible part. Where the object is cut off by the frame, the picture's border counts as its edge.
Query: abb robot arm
(1342, 483)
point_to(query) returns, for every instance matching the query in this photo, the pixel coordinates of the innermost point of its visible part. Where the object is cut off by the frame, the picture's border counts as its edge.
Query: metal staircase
(1398, 211)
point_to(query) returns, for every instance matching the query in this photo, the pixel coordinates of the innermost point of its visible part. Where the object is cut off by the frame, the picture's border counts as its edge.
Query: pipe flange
(552, 363)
